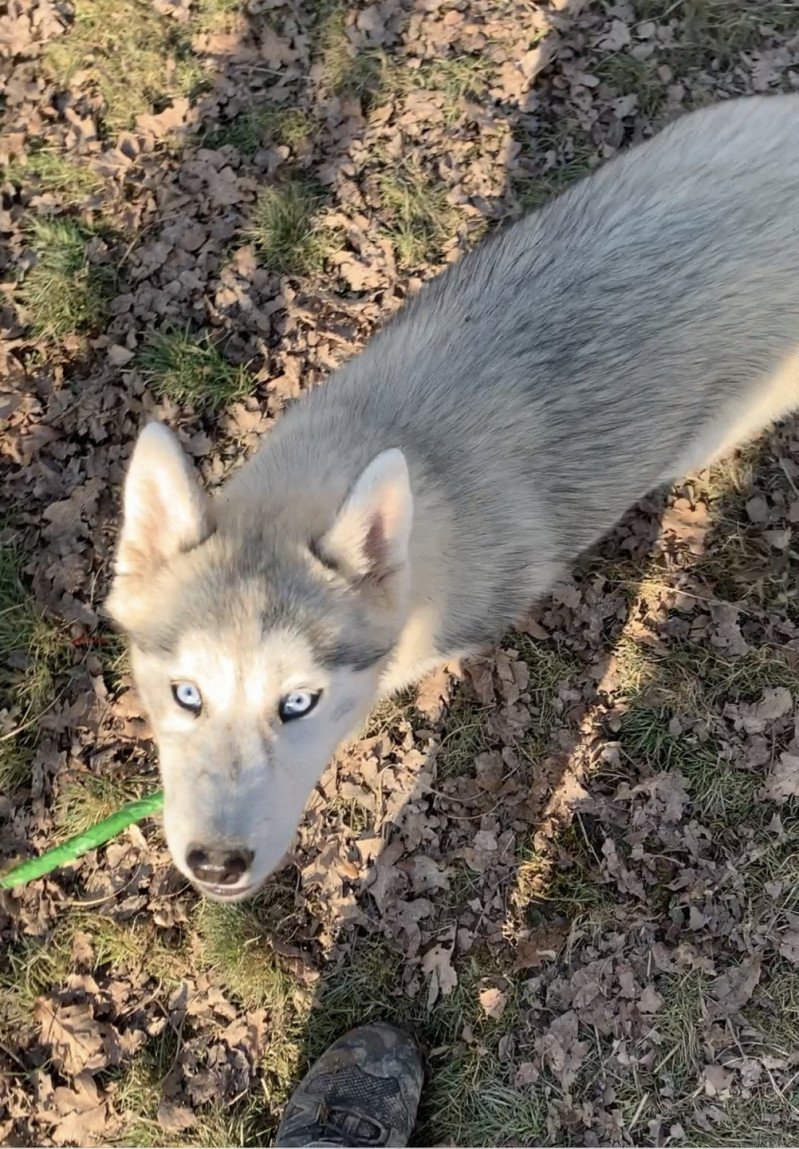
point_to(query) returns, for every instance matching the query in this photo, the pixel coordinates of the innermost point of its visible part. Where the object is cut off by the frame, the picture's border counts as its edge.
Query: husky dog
(410, 510)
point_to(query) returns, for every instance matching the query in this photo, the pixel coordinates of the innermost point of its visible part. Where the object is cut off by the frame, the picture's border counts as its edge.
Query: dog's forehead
(235, 656)
(249, 594)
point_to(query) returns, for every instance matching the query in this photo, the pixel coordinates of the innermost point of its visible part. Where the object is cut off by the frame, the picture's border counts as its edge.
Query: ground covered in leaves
(571, 867)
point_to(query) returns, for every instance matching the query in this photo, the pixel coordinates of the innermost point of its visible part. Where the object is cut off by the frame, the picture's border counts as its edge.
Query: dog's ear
(369, 539)
(165, 511)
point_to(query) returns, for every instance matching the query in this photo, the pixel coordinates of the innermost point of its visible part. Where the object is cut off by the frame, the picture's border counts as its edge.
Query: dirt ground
(572, 867)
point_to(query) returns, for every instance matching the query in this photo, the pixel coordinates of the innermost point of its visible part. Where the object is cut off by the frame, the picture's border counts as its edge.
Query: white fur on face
(235, 775)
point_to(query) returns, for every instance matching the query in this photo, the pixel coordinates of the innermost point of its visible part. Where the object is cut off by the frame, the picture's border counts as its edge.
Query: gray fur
(560, 371)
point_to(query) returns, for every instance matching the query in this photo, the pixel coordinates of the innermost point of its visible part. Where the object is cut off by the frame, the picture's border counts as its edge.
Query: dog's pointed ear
(164, 511)
(370, 537)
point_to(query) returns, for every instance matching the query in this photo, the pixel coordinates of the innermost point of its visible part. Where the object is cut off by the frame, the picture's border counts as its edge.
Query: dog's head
(259, 629)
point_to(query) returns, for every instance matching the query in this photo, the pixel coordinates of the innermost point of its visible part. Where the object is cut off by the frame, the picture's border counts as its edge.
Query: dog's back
(638, 325)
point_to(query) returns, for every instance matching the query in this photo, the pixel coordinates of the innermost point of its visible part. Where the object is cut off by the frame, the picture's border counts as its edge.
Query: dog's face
(258, 637)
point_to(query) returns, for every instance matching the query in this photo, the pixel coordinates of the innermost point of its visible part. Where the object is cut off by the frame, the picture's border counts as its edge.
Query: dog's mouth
(221, 893)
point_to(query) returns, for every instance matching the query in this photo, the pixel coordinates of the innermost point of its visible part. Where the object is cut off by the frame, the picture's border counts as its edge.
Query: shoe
(363, 1091)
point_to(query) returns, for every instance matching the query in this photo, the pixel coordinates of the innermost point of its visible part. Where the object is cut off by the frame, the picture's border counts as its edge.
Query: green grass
(262, 126)
(35, 652)
(27, 970)
(457, 77)
(138, 946)
(699, 677)
(140, 1090)
(560, 883)
(568, 152)
(418, 218)
(719, 792)
(47, 171)
(627, 74)
(136, 60)
(288, 230)
(717, 30)
(550, 668)
(192, 371)
(463, 737)
(64, 293)
(370, 73)
(454, 78)
(346, 70)
(216, 15)
(89, 798)
(236, 947)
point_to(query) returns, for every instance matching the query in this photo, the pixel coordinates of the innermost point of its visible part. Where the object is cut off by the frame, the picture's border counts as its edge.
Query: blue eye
(188, 696)
(297, 704)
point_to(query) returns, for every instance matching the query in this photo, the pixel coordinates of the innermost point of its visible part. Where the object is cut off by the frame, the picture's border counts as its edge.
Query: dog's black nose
(218, 866)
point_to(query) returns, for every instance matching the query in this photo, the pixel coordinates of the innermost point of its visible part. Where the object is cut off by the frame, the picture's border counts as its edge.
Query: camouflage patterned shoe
(363, 1091)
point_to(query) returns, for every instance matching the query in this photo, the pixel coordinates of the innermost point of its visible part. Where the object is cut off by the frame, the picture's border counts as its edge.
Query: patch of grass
(113, 651)
(33, 966)
(28, 969)
(235, 946)
(215, 15)
(562, 883)
(138, 945)
(188, 370)
(140, 1090)
(346, 70)
(627, 74)
(694, 678)
(419, 218)
(51, 172)
(477, 1103)
(738, 562)
(680, 1024)
(35, 653)
(717, 30)
(463, 737)
(457, 77)
(536, 191)
(567, 153)
(719, 792)
(263, 125)
(368, 73)
(137, 60)
(288, 231)
(92, 797)
(64, 292)
(549, 669)
(390, 712)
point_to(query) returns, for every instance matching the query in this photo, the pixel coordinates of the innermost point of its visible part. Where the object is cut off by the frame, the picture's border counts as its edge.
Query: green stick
(74, 847)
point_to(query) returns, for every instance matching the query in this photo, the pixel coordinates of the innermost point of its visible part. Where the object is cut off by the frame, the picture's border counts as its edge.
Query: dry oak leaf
(733, 988)
(650, 1000)
(175, 1118)
(78, 1041)
(789, 946)
(437, 963)
(783, 779)
(493, 1002)
(561, 1050)
(82, 1113)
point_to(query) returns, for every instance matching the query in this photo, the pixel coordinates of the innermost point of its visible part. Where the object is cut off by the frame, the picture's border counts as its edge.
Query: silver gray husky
(410, 510)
